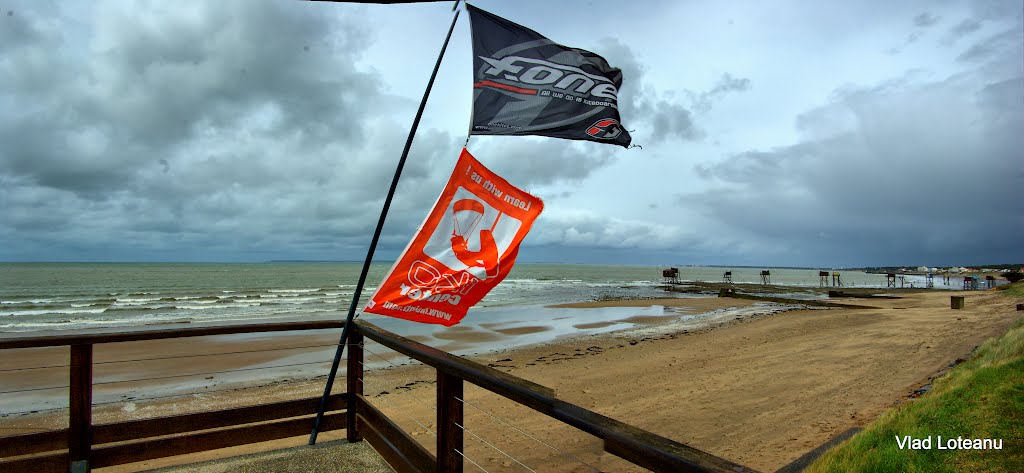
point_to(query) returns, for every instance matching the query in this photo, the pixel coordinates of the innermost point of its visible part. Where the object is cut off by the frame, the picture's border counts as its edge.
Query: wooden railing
(83, 445)
(638, 446)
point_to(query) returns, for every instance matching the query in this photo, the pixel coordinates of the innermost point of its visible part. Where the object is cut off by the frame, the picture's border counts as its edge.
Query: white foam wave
(28, 301)
(296, 291)
(133, 301)
(52, 311)
(218, 306)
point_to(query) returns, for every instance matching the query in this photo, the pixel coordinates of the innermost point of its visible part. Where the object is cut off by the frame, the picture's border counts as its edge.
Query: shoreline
(757, 390)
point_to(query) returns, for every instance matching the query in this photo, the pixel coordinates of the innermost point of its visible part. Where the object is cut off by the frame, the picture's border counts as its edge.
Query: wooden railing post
(80, 403)
(354, 375)
(449, 422)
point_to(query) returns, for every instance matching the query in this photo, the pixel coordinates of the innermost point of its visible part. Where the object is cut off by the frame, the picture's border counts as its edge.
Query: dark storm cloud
(224, 130)
(237, 128)
(900, 173)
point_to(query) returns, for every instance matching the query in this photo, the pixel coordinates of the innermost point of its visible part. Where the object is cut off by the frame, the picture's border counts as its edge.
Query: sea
(53, 297)
(39, 299)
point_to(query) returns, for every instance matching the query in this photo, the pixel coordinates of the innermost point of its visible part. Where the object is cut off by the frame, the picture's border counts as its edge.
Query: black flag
(526, 84)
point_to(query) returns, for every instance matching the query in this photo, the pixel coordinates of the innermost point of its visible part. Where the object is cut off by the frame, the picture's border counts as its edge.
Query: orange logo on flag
(466, 246)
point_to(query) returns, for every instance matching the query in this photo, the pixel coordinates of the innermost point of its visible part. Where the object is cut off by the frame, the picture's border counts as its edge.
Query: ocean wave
(18, 313)
(296, 291)
(294, 300)
(135, 300)
(29, 301)
(218, 306)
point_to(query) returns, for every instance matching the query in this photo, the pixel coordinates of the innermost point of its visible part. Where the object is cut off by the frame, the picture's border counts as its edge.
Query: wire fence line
(489, 444)
(33, 411)
(34, 368)
(494, 417)
(471, 460)
(28, 390)
(527, 434)
(210, 372)
(399, 409)
(210, 354)
(432, 407)
(172, 357)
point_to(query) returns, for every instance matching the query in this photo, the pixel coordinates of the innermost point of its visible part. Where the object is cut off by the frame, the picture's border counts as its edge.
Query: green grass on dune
(1013, 290)
(981, 398)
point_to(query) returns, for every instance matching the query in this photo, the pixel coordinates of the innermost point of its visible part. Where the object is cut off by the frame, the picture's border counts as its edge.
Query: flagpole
(376, 236)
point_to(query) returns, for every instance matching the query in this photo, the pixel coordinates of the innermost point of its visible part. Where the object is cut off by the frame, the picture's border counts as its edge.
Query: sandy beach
(757, 390)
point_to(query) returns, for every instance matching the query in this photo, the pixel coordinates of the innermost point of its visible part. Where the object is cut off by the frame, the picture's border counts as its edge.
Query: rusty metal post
(354, 375)
(449, 420)
(80, 403)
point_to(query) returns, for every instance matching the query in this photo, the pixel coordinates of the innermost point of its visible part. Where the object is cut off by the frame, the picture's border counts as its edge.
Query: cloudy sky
(774, 133)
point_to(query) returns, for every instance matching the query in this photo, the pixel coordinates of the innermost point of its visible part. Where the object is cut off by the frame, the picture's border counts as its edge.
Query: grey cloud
(665, 114)
(903, 173)
(725, 85)
(238, 128)
(532, 163)
(984, 50)
(673, 119)
(962, 29)
(590, 229)
(925, 19)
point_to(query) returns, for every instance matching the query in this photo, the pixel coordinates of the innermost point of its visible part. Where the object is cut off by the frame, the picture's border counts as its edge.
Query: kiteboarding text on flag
(465, 247)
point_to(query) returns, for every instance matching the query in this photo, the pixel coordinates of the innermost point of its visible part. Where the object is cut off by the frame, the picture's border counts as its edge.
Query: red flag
(466, 246)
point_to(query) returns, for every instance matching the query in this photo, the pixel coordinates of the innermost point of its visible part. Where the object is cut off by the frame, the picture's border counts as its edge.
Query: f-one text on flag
(526, 84)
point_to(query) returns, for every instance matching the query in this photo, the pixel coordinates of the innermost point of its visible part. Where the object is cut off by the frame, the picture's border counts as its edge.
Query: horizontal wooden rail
(643, 448)
(190, 443)
(181, 444)
(398, 448)
(159, 426)
(84, 446)
(197, 331)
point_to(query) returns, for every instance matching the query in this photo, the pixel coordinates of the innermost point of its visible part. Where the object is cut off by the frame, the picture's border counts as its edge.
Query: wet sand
(760, 391)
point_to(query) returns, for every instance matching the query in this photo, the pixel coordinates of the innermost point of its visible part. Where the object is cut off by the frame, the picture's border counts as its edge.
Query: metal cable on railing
(210, 372)
(211, 354)
(34, 411)
(561, 452)
(33, 368)
(433, 408)
(471, 460)
(489, 444)
(399, 409)
(517, 429)
(33, 389)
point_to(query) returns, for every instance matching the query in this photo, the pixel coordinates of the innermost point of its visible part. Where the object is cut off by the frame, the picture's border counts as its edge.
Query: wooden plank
(191, 443)
(36, 464)
(159, 426)
(80, 402)
(649, 454)
(354, 376)
(25, 444)
(131, 336)
(622, 436)
(449, 423)
(400, 450)
(480, 375)
(388, 451)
